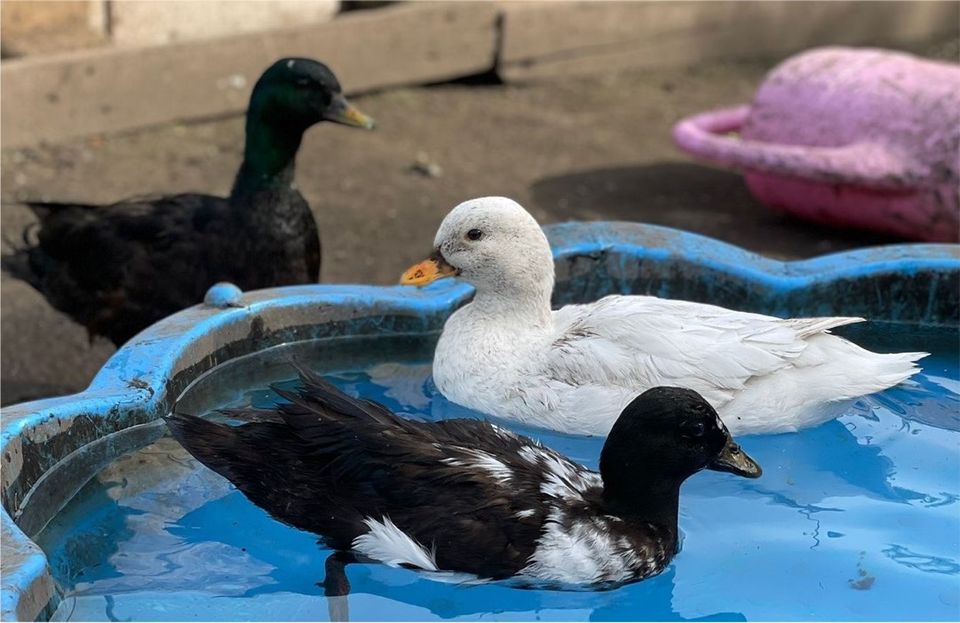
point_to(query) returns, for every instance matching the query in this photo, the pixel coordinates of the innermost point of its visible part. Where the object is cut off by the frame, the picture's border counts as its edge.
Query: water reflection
(921, 562)
(79, 543)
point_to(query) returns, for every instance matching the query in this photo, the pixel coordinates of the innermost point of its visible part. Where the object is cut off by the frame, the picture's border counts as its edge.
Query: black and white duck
(118, 268)
(465, 496)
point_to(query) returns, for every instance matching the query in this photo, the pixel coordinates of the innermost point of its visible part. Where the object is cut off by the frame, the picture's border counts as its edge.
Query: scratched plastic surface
(855, 520)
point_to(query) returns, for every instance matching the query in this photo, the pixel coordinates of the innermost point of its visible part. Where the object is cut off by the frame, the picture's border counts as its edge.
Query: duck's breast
(578, 548)
(476, 362)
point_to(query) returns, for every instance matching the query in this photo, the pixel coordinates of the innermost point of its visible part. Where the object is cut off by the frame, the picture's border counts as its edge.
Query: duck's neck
(650, 501)
(269, 158)
(524, 302)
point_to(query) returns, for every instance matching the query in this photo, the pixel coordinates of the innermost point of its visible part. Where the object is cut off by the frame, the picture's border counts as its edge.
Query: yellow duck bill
(342, 111)
(428, 271)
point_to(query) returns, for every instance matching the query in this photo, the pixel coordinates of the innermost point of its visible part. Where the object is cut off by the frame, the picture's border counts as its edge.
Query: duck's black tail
(267, 437)
(220, 447)
(17, 260)
(274, 466)
(28, 258)
(241, 454)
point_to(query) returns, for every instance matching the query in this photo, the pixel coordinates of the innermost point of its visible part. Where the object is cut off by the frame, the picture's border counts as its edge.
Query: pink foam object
(848, 137)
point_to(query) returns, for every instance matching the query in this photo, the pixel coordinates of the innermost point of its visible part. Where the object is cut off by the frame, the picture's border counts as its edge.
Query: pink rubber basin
(858, 138)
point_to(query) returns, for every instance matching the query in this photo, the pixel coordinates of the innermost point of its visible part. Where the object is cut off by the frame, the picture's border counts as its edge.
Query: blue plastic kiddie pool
(106, 518)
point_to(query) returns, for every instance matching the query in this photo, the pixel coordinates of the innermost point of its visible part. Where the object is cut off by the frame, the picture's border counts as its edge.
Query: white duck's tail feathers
(879, 371)
(856, 371)
(805, 327)
(900, 367)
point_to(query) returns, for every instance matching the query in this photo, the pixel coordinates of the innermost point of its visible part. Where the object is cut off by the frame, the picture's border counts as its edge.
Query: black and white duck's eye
(697, 429)
(474, 234)
(303, 82)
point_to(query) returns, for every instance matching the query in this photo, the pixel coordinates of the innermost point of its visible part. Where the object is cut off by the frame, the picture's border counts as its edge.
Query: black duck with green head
(119, 268)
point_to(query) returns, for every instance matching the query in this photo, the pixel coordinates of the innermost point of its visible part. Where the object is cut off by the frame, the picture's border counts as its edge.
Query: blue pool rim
(906, 282)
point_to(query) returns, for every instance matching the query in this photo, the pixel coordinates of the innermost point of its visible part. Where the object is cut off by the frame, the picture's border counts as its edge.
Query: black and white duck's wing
(455, 494)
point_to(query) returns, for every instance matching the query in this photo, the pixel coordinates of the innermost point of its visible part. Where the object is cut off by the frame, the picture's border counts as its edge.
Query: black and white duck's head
(300, 92)
(493, 243)
(663, 437)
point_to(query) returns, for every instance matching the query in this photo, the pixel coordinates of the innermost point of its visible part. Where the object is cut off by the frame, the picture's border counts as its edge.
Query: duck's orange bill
(427, 271)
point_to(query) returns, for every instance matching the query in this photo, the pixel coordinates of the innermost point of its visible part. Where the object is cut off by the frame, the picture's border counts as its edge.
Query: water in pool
(854, 520)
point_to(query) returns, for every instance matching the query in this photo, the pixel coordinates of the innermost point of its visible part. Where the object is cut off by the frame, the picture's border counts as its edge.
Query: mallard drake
(118, 268)
(508, 355)
(465, 495)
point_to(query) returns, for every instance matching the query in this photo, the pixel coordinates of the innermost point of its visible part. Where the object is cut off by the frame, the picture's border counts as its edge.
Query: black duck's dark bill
(734, 460)
(342, 111)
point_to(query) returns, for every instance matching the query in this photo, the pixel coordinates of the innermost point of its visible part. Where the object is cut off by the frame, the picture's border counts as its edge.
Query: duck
(507, 354)
(468, 498)
(118, 268)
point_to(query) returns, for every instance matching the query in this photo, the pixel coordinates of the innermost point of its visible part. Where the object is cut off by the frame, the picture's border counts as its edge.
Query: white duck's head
(494, 244)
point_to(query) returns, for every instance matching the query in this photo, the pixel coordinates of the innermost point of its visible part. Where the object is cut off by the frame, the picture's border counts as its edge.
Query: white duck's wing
(639, 342)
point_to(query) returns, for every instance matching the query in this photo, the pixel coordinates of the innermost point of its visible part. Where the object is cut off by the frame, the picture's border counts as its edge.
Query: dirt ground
(584, 148)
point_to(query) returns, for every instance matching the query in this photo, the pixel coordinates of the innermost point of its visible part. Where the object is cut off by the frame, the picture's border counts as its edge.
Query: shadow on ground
(693, 197)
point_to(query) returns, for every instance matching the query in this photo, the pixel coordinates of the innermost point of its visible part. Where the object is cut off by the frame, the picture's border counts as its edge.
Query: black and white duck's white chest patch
(577, 549)
(578, 546)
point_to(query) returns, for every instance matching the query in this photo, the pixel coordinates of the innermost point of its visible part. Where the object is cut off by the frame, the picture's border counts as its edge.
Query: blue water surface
(857, 519)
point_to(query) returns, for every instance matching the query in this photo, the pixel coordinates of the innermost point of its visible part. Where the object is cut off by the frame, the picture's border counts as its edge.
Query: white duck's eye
(474, 234)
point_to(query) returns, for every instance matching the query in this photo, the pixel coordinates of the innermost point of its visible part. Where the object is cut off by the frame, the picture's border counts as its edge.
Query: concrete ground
(585, 148)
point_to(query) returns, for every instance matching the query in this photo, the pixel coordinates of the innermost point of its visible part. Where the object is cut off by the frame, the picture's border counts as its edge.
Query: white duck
(575, 369)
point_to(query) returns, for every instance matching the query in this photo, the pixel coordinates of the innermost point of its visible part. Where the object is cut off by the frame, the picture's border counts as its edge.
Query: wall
(121, 87)
(145, 23)
(31, 27)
